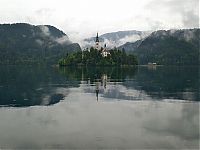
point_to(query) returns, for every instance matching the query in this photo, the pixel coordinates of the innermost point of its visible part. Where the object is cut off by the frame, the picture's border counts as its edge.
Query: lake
(44, 107)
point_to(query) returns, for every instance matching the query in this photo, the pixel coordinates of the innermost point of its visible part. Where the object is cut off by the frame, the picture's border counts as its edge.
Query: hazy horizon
(126, 90)
(83, 18)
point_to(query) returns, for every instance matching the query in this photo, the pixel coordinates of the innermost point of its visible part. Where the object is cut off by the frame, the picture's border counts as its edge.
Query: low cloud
(189, 35)
(45, 32)
(133, 38)
(111, 43)
(63, 40)
(39, 42)
(185, 12)
(84, 23)
(190, 19)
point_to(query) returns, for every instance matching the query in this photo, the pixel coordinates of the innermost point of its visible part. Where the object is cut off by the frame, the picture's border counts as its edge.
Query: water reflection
(97, 90)
(29, 85)
(143, 83)
(170, 82)
(102, 125)
(137, 108)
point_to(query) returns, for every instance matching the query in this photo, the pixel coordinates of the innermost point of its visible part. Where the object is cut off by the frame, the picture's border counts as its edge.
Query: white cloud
(46, 33)
(63, 40)
(83, 18)
(45, 30)
(39, 42)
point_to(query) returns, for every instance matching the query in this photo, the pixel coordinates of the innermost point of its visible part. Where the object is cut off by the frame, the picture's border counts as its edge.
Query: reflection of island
(29, 86)
(101, 77)
(139, 83)
(98, 76)
(103, 82)
(97, 90)
(92, 74)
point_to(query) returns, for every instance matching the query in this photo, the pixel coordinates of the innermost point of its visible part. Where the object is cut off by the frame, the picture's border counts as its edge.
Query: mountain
(25, 43)
(169, 47)
(130, 47)
(115, 39)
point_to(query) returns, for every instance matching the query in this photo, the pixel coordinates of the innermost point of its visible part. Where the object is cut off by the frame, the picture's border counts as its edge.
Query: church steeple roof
(97, 37)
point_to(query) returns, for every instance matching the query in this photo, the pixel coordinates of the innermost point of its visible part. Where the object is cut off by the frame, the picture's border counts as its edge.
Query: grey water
(44, 107)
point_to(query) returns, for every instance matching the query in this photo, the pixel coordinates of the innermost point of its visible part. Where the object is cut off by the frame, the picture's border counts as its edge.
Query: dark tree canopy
(94, 58)
(28, 44)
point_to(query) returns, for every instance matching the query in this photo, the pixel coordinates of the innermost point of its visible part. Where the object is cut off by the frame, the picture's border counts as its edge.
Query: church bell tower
(97, 46)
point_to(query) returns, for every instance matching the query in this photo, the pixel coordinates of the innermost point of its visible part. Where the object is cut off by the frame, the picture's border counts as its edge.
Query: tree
(94, 58)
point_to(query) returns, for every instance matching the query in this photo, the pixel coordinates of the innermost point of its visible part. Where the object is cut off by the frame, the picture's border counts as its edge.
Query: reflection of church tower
(104, 79)
(97, 46)
(97, 91)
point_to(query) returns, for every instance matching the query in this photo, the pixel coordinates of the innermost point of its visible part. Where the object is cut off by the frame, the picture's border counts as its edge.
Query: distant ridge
(25, 43)
(116, 39)
(167, 47)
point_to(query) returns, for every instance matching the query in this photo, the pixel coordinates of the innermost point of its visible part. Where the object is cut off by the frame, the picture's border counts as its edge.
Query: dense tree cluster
(179, 47)
(94, 58)
(28, 44)
(168, 51)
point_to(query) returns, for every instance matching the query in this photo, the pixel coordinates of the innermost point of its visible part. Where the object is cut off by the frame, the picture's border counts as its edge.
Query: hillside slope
(115, 39)
(25, 43)
(172, 47)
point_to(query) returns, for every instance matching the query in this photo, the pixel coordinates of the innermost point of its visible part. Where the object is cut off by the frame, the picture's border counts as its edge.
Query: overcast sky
(83, 18)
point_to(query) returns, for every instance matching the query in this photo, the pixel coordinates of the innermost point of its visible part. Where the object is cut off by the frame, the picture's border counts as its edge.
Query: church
(104, 51)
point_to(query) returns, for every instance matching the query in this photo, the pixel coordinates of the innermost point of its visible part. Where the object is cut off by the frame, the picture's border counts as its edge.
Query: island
(99, 56)
(94, 57)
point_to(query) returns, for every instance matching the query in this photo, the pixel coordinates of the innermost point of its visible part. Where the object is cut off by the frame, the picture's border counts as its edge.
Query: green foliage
(27, 44)
(94, 58)
(169, 51)
(167, 48)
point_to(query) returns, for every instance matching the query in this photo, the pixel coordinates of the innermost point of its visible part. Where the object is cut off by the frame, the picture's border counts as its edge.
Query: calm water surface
(99, 108)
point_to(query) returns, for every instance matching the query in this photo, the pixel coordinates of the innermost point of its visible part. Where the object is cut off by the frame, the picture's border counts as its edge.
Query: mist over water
(99, 107)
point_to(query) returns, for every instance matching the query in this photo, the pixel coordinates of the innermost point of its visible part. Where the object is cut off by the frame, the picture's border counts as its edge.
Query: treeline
(172, 47)
(94, 58)
(28, 44)
(168, 51)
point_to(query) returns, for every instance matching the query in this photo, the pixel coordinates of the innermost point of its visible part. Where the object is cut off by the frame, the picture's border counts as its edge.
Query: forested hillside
(26, 44)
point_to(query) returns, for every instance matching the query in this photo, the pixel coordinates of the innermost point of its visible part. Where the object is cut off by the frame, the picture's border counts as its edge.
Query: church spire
(97, 37)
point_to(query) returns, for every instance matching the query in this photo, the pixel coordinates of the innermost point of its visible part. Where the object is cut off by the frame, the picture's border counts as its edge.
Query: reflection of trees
(160, 83)
(98, 76)
(97, 90)
(169, 82)
(28, 85)
(94, 73)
